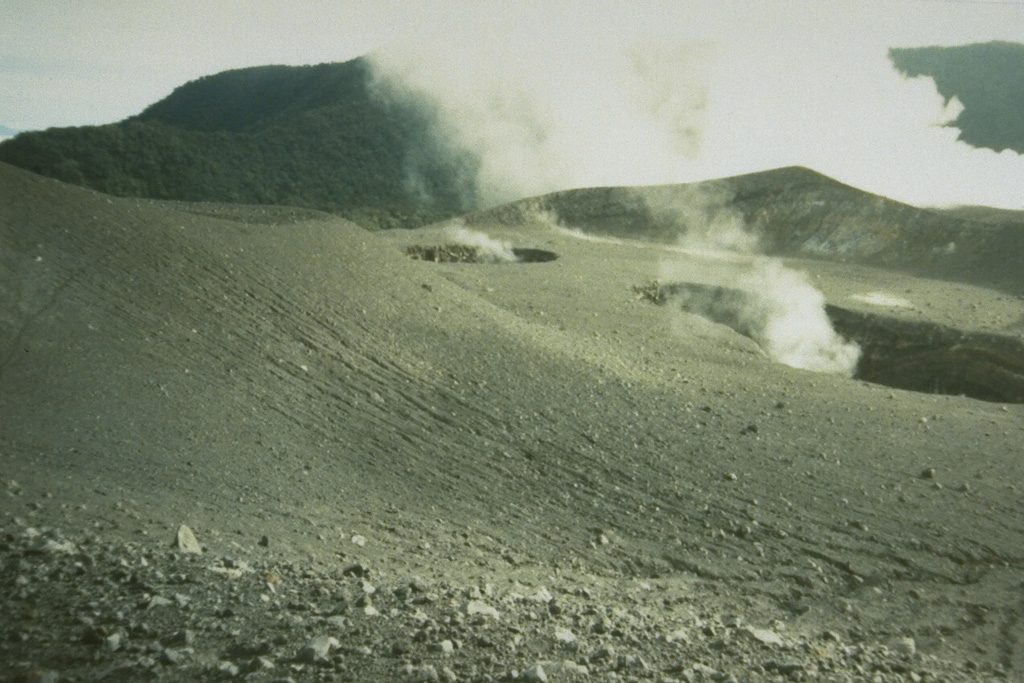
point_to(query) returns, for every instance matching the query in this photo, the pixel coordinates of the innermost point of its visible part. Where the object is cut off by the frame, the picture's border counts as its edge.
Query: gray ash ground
(79, 608)
(469, 472)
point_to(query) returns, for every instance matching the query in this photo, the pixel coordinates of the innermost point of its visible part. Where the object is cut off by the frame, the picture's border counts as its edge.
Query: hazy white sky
(577, 92)
(78, 62)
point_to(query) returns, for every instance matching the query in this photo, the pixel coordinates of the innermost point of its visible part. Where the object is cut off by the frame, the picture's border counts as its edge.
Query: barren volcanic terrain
(405, 461)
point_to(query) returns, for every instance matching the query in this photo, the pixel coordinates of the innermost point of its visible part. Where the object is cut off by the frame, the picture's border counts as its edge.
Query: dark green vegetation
(326, 137)
(985, 77)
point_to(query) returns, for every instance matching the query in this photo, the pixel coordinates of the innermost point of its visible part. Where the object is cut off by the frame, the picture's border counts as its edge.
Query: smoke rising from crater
(587, 94)
(599, 93)
(786, 315)
(487, 248)
(714, 270)
(757, 296)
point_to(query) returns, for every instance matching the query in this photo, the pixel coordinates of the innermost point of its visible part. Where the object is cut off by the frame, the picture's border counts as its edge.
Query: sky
(570, 93)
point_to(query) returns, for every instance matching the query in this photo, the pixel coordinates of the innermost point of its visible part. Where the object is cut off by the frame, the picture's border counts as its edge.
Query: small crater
(932, 358)
(915, 356)
(462, 253)
(527, 255)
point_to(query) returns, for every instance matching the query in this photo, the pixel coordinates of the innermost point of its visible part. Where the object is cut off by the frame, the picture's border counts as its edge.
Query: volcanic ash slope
(286, 374)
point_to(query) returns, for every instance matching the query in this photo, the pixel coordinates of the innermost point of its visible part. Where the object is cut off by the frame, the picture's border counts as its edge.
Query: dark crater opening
(932, 358)
(461, 253)
(916, 356)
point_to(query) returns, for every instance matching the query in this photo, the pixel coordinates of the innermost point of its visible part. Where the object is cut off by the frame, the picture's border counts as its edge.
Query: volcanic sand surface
(300, 378)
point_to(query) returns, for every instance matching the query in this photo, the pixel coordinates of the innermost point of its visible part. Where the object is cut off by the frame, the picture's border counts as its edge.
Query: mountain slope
(316, 136)
(796, 212)
(329, 137)
(245, 100)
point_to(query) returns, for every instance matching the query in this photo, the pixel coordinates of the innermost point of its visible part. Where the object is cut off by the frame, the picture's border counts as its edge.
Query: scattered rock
(566, 638)
(184, 638)
(541, 595)
(158, 601)
(631, 661)
(127, 612)
(905, 646)
(760, 635)
(170, 657)
(185, 541)
(228, 669)
(42, 545)
(400, 647)
(480, 608)
(680, 635)
(789, 668)
(535, 674)
(566, 667)
(409, 587)
(419, 674)
(112, 642)
(317, 650)
(355, 569)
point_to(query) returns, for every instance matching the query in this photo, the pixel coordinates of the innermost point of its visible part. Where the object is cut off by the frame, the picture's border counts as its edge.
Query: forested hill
(986, 78)
(324, 137)
(312, 136)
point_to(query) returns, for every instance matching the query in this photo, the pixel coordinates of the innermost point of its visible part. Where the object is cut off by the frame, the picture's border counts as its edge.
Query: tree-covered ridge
(313, 136)
(986, 78)
(247, 100)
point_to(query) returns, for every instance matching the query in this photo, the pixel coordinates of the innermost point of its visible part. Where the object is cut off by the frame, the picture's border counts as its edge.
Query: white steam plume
(786, 316)
(572, 94)
(488, 249)
(779, 309)
(774, 305)
(757, 296)
(705, 218)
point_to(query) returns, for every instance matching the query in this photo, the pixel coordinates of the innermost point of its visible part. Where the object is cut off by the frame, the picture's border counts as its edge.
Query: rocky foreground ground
(81, 608)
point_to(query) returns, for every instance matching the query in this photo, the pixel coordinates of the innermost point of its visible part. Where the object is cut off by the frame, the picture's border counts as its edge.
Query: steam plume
(553, 96)
(786, 316)
(486, 248)
(714, 270)
(774, 305)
